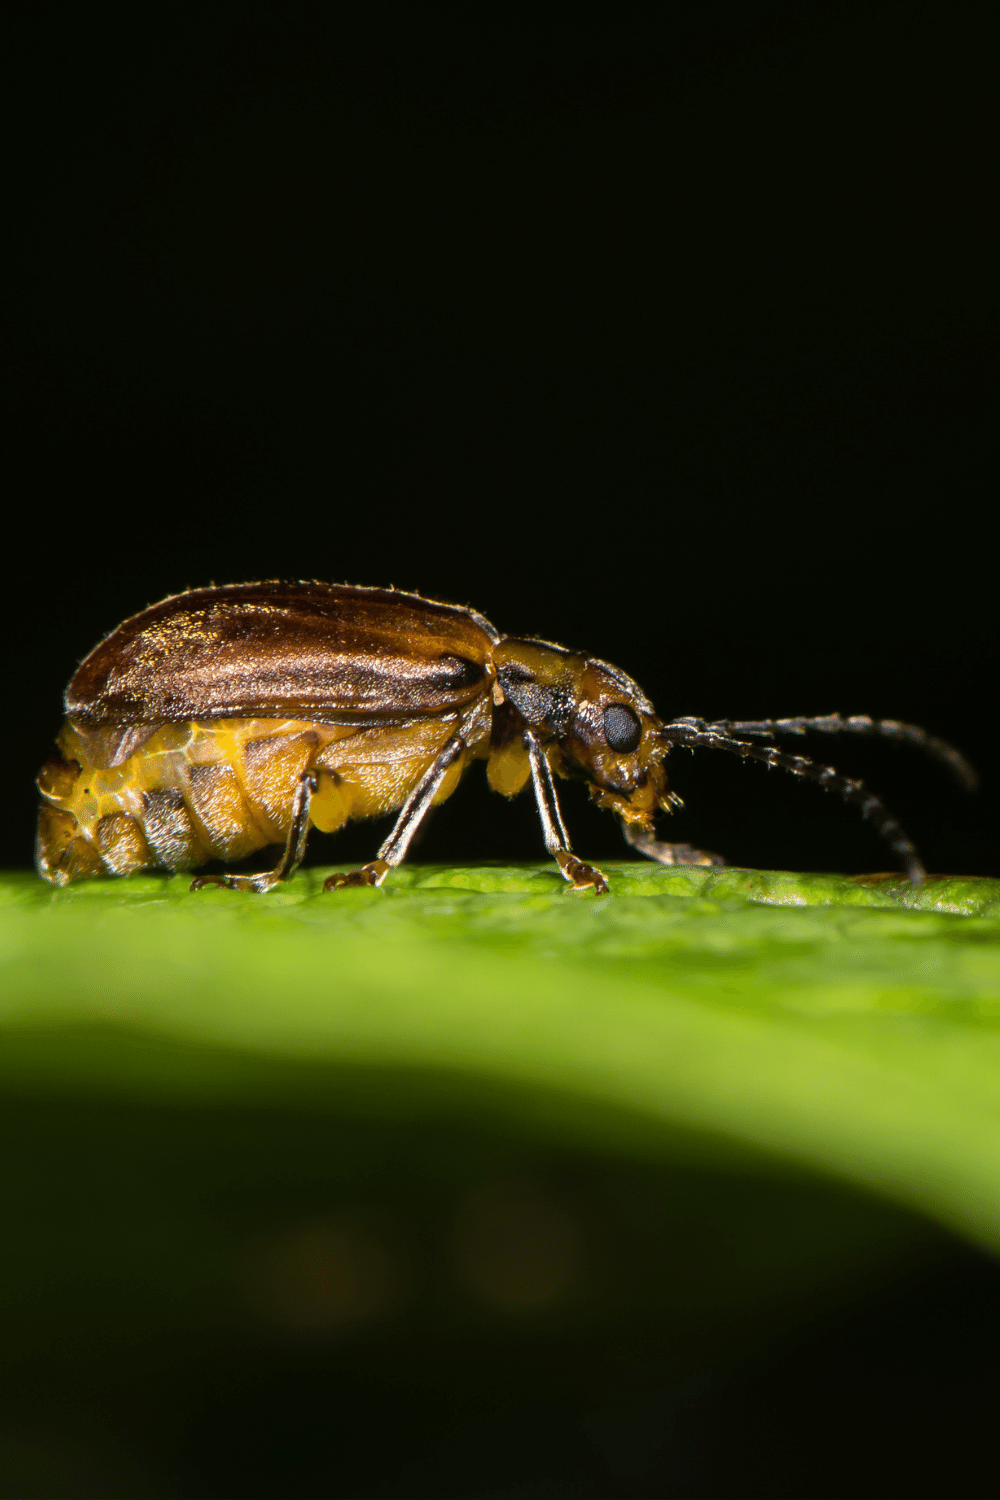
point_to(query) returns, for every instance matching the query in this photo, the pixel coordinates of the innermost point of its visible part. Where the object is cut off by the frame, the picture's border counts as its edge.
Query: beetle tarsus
(259, 884)
(370, 874)
(580, 875)
(647, 843)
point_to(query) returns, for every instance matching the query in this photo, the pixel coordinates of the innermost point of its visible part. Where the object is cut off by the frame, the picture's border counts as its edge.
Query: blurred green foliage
(473, 1154)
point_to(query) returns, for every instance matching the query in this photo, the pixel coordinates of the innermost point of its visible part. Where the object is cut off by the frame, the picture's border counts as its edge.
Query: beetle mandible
(225, 719)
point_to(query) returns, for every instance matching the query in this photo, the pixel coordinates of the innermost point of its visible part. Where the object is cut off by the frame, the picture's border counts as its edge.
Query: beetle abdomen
(192, 793)
(218, 790)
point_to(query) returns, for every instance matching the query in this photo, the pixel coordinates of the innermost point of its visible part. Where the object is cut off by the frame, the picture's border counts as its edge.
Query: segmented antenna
(887, 729)
(697, 733)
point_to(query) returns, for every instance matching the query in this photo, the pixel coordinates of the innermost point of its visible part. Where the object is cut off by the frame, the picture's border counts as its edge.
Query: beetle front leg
(414, 810)
(295, 848)
(581, 876)
(647, 843)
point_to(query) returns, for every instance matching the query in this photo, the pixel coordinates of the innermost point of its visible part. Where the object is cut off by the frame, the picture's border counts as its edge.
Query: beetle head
(596, 724)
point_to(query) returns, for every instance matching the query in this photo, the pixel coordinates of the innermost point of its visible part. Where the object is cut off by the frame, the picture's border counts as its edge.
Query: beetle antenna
(889, 729)
(696, 733)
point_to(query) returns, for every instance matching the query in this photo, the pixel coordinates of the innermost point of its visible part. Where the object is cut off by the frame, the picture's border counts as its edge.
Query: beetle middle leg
(579, 874)
(647, 843)
(411, 815)
(294, 852)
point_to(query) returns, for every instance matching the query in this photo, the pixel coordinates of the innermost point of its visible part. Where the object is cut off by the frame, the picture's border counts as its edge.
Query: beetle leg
(295, 848)
(580, 875)
(411, 815)
(647, 843)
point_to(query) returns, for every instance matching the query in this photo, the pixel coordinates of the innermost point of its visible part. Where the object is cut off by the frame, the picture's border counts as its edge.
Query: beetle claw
(582, 876)
(370, 874)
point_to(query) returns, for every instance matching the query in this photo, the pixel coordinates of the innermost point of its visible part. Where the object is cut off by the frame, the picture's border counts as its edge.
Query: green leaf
(848, 1026)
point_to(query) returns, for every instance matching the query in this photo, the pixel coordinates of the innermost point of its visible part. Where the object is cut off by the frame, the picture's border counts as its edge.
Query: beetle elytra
(226, 719)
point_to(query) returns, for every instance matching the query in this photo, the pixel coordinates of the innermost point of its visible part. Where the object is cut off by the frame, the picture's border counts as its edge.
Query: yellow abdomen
(220, 790)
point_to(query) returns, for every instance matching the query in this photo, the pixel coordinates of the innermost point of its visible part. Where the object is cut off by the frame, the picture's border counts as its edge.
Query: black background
(670, 338)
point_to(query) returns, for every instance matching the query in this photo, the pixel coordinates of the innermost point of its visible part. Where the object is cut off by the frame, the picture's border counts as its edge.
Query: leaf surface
(850, 1026)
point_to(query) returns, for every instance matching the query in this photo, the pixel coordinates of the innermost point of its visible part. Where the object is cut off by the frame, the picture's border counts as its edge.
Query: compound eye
(622, 729)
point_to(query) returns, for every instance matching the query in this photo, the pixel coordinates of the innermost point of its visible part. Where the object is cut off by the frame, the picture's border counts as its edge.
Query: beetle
(222, 720)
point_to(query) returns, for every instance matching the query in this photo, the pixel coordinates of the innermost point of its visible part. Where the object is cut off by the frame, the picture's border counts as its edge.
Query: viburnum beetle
(226, 719)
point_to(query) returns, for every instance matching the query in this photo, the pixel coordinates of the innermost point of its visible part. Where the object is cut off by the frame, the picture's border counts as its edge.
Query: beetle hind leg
(294, 852)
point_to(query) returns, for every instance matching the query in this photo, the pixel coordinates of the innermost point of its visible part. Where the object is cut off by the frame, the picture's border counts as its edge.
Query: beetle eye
(622, 729)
